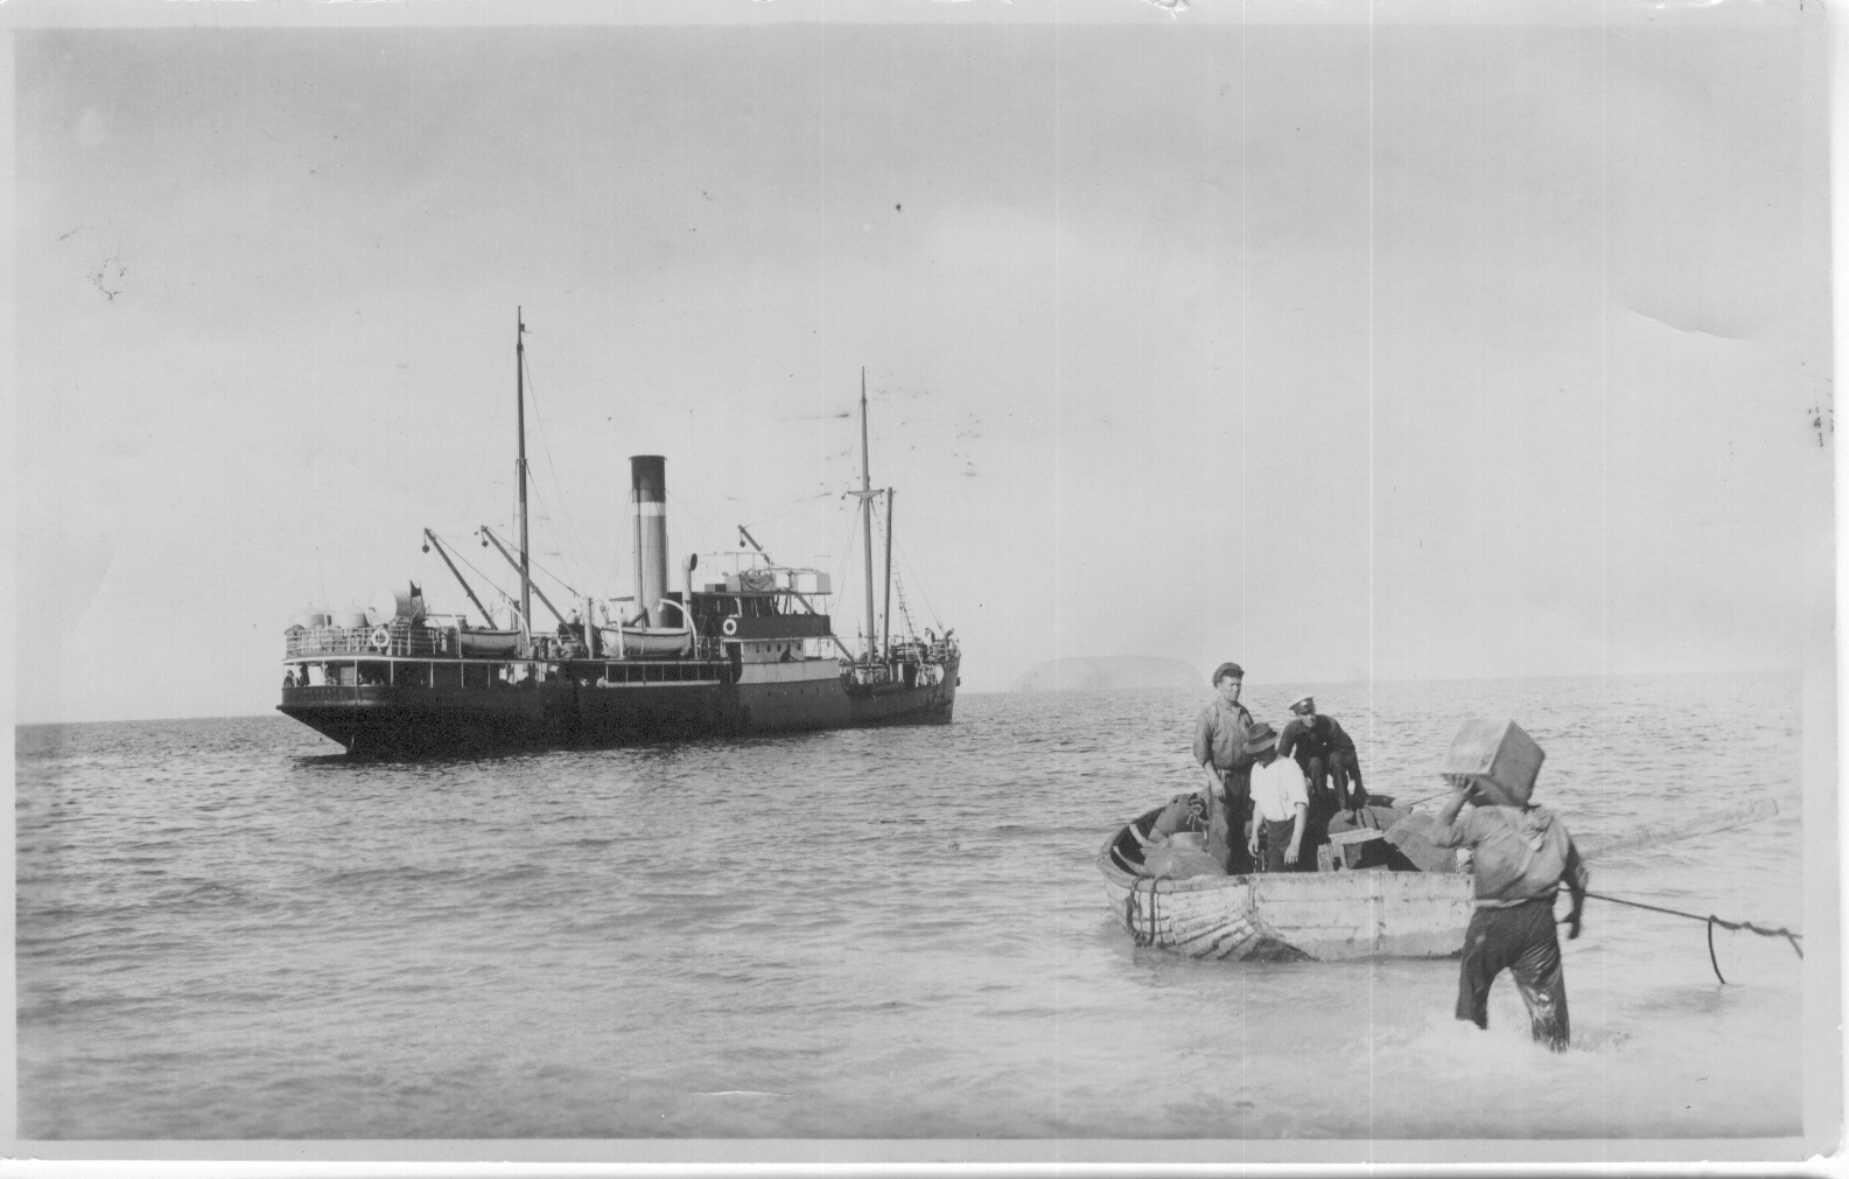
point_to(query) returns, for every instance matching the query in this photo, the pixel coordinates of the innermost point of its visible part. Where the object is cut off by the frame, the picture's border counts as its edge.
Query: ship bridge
(768, 602)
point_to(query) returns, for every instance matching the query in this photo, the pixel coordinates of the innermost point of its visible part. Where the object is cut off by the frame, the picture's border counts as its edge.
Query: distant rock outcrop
(1107, 673)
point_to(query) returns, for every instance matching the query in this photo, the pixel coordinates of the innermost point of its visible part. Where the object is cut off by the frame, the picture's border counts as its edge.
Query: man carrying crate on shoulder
(1520, 856)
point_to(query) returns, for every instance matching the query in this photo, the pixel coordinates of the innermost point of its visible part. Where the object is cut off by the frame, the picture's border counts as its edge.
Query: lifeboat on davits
(642, 642)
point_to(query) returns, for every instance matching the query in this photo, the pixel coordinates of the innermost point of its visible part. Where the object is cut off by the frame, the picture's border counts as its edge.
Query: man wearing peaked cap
(1326, 755)
(1520, 856)
(1220, 736)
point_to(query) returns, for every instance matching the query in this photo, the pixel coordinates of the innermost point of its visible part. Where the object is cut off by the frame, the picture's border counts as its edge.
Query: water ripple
(224, 932)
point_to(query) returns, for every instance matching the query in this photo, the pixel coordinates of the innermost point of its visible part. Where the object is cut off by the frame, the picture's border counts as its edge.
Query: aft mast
(866, 508)
(526, 567)
(886, 608)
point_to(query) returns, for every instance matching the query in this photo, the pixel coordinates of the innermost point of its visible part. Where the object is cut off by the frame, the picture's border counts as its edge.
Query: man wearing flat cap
(1221, 737)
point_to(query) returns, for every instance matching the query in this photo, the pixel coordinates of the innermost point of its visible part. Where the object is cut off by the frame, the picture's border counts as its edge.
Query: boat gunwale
(1115, 874)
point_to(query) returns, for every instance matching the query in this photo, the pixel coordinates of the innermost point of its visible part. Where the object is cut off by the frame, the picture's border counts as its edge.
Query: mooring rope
(1143, 935)
(1130, 915)
(1138, 934)
(1711, 921)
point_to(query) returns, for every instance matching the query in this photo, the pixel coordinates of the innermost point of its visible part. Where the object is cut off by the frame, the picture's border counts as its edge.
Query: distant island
(1106, 673)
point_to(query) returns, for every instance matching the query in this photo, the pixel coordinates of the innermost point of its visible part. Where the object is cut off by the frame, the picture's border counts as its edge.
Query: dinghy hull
(1286, 916)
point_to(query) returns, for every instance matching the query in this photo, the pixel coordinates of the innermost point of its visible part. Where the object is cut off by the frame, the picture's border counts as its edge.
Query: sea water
(227, 931)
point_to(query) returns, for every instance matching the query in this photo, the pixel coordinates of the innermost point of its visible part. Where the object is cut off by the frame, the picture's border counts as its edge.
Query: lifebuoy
(730, 627)
(381, 638)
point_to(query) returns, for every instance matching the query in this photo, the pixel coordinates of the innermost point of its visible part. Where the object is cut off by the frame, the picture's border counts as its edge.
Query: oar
(1415, 831)
(1688, 828)
(1705, 824)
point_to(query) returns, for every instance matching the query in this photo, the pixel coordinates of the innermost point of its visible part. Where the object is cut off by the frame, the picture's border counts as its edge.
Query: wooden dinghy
(1286, 916)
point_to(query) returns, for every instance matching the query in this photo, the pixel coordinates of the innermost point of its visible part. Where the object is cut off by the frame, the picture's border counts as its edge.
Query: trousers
(1329, 776)
(1522, 941)
(1227, 835)
(1277, 842)
(1336, 776)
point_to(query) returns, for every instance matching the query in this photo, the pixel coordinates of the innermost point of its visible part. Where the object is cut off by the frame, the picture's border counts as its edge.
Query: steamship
(752, 651)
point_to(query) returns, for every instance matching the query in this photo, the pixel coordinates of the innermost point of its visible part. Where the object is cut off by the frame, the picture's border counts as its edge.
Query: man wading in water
(1520, 855)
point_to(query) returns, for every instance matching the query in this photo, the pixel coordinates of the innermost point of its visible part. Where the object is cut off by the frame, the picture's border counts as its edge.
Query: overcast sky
(1426, 346)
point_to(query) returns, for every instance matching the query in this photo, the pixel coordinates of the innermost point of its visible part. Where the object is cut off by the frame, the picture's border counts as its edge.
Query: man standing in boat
(1327, 757)
(1520, 856)
(1221, 736)
(1280, 805)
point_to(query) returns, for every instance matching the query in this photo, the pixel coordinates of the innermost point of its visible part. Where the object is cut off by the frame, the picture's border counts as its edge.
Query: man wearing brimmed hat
(1279, 804)
(1326, 755)
(1520, 856)
(1220, 738)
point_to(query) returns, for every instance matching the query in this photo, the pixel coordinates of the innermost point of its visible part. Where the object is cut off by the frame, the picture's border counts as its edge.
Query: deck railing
(353, 681)
(408, 640)
(393, 638)
(919, 651)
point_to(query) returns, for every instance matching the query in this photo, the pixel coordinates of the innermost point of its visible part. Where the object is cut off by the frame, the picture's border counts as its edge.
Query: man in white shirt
(1280, 803)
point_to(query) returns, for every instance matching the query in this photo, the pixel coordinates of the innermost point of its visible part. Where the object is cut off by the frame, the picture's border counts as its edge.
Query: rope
(905, 612)
(563, 584)
(1712, 922)
(545, 445)
(1139, 935)
(1148, 935)
(904, 560)
(456, 552)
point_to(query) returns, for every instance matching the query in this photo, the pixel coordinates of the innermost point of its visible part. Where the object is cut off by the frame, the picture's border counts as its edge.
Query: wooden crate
(1500, 753)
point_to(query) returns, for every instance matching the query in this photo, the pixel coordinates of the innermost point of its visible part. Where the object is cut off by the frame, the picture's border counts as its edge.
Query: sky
(1454, 342)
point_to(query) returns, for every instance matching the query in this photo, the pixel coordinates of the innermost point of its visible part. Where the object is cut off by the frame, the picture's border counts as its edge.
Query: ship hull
(396, 722)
